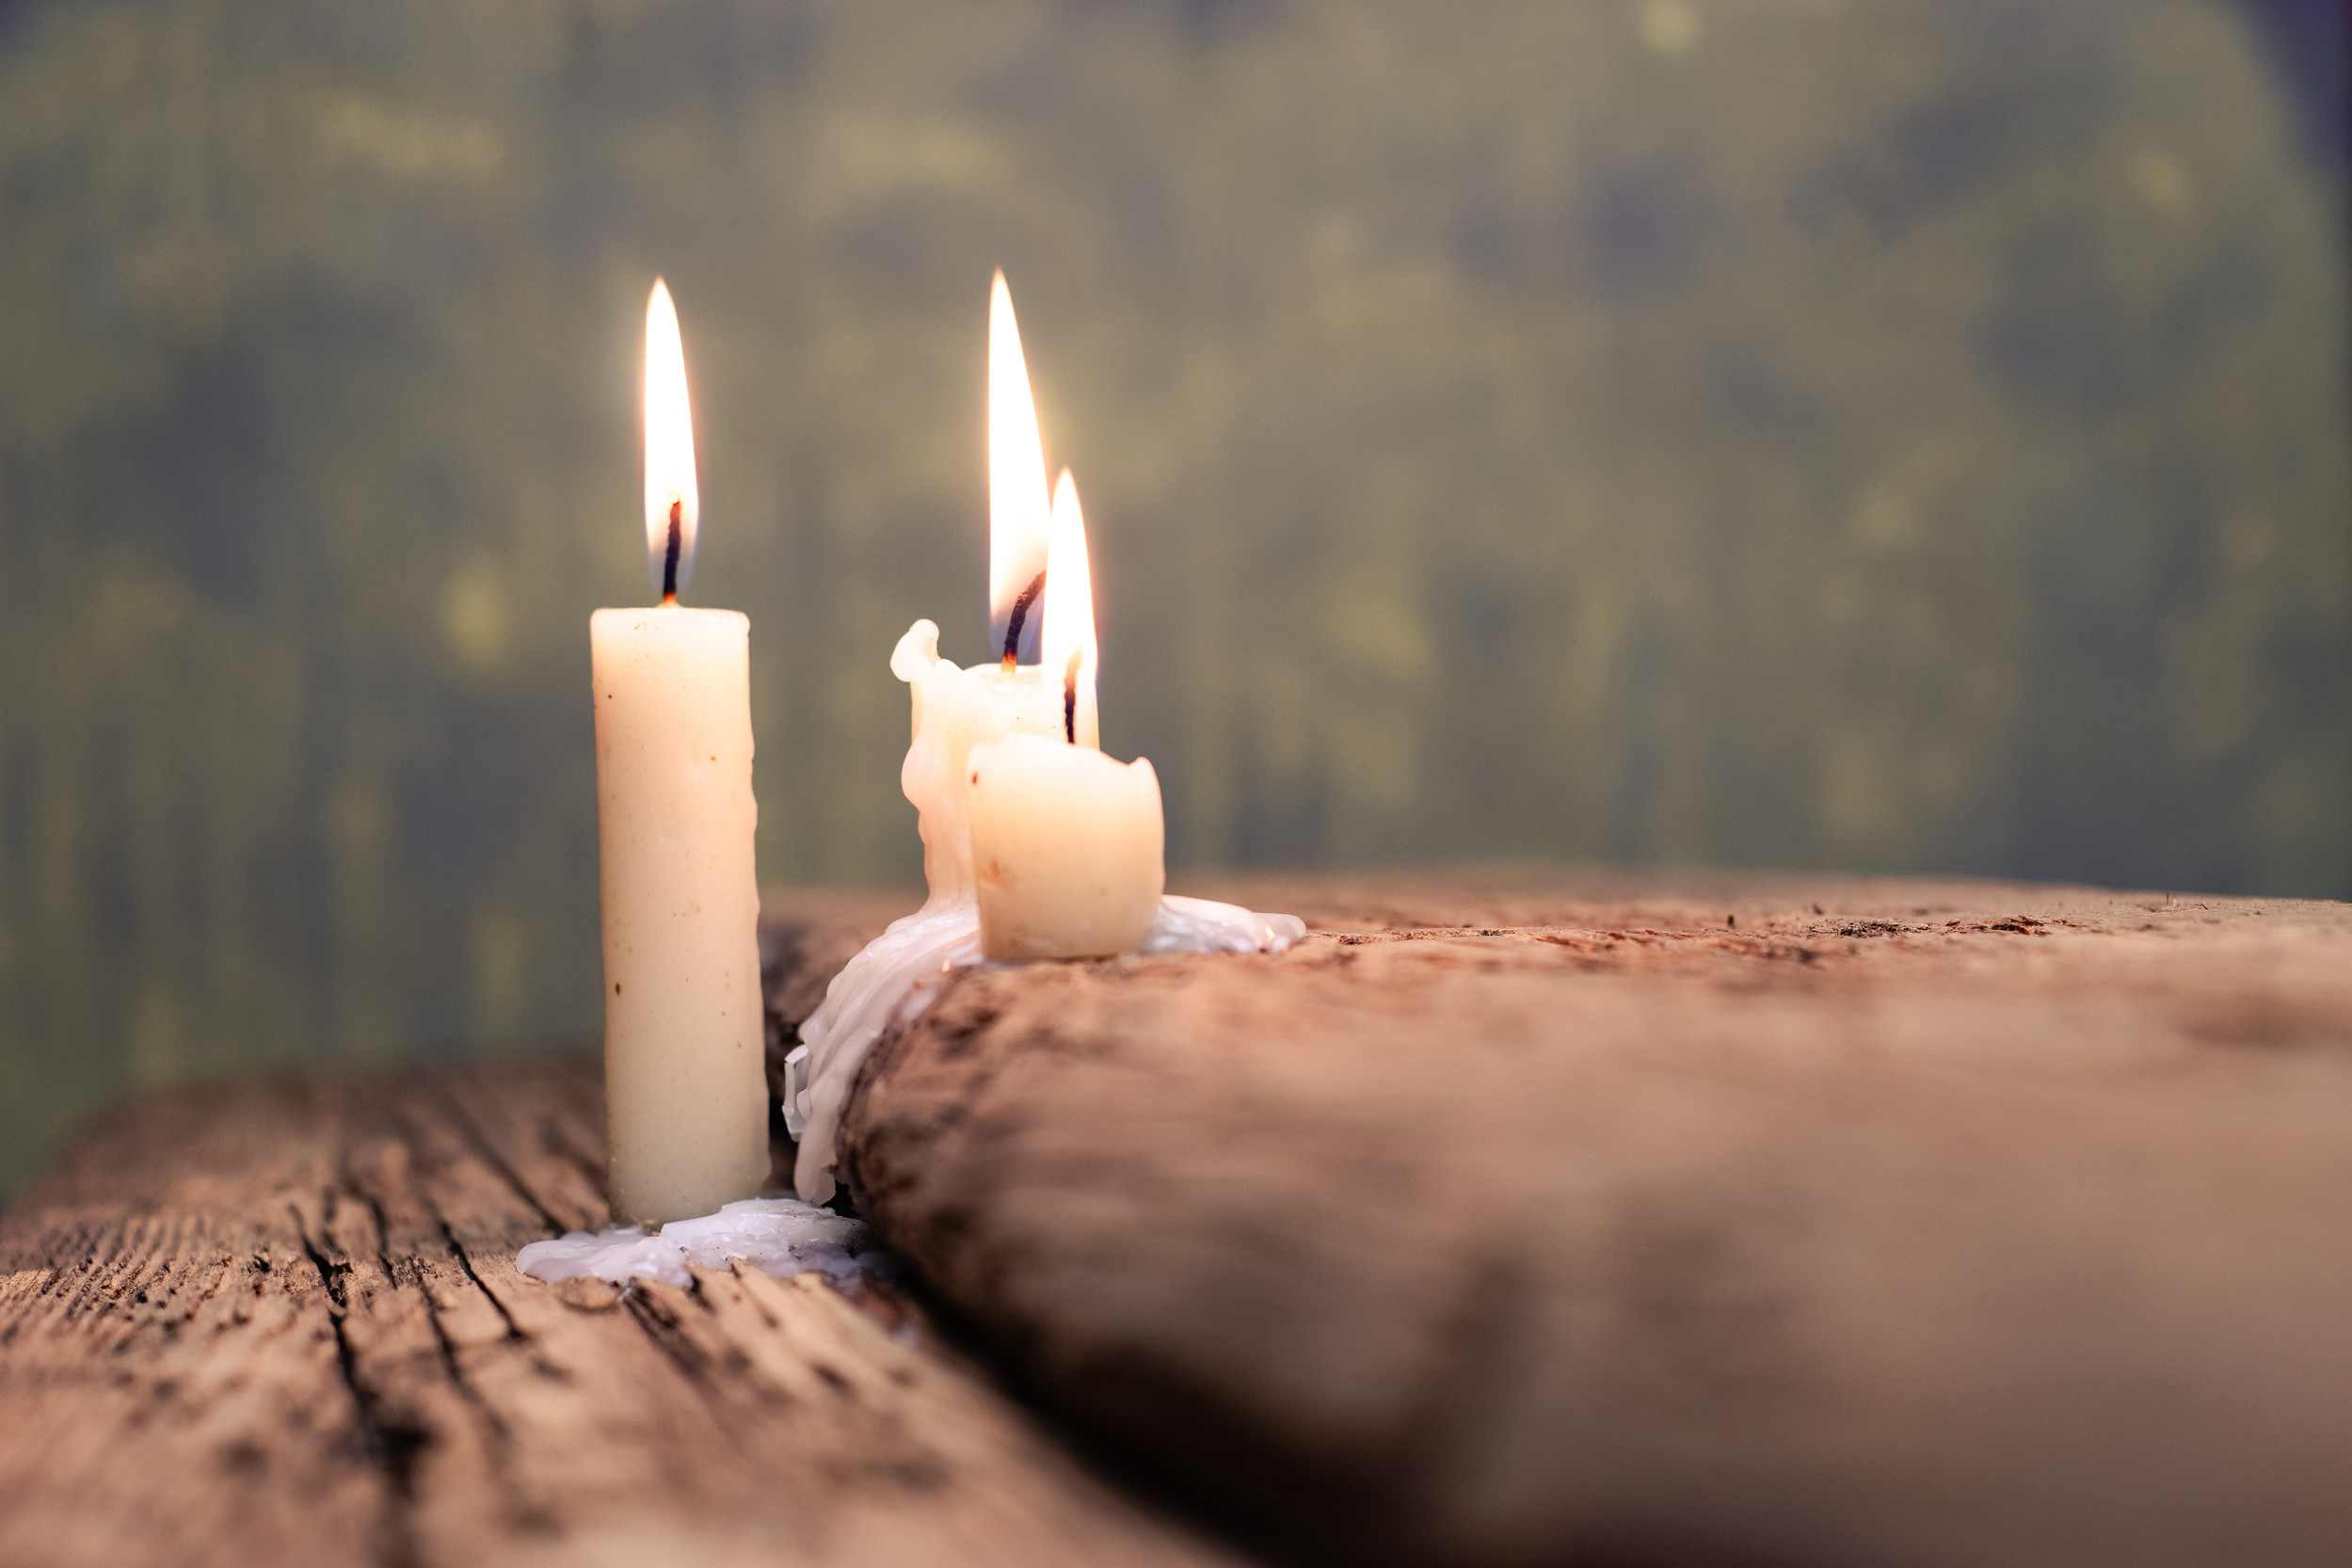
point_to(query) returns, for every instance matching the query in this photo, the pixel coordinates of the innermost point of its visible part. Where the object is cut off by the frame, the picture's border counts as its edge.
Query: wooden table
(1513, 1218)
(279, 1325)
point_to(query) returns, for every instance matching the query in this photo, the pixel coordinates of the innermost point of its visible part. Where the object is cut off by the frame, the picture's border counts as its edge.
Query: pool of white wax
(778, 1234)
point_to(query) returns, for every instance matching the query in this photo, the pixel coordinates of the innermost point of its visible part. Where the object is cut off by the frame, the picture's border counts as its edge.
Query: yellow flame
(1018, 519)
(669, 440)
(1069, 598)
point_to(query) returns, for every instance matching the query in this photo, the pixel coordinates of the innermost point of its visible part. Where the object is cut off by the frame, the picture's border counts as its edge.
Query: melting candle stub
(777, 1234)
(962, 719)
(1066, 849)
(1035, 845)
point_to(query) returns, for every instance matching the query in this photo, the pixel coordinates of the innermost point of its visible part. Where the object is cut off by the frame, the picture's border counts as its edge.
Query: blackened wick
(677, 538)
(1020, 617)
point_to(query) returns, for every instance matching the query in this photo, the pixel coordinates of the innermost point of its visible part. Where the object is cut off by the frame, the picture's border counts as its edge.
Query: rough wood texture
(1532, 1220)
(279, 1325)
(1568, 1220)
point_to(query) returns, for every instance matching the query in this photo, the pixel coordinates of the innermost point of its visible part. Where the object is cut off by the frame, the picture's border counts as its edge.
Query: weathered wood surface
(279, 1325)
(1528, 1220)
(1605, 1220)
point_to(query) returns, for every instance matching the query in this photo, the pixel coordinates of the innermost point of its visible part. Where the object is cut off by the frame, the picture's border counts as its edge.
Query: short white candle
(1063, 844)
(1066, 844)
(685, 1091)
(1066, 849)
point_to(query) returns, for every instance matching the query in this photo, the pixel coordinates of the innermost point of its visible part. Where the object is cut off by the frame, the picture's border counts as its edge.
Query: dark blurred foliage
(1906, 434)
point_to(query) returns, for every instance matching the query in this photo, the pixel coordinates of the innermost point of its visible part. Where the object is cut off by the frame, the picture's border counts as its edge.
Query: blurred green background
(1897, 435)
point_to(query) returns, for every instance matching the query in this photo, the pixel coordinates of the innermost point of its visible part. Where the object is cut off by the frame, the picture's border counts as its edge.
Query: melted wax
(778, 1234)
(894, 980)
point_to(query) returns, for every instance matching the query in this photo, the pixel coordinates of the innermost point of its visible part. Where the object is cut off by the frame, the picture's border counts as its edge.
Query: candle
(1058, 846)
(1066, 844)
(954, 709)
(1035, 845)
(686, 1095)
(1067, 850)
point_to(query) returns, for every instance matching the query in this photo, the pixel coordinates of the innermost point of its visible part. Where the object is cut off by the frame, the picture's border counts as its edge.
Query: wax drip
(896, 978)
(1020, 618)
(669, 563)
(1069, 699)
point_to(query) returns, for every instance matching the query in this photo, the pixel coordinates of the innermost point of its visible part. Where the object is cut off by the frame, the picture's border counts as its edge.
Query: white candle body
(685, 1091)
(1036, 701)
(1066, 849)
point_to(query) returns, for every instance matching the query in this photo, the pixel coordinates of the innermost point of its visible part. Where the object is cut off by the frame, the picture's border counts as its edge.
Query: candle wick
(669, 563)
(1020, 617)
(1069, 698)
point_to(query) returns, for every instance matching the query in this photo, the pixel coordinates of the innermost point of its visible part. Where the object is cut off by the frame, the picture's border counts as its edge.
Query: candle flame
(669, 446)
(1020, 520)
(1067, 641)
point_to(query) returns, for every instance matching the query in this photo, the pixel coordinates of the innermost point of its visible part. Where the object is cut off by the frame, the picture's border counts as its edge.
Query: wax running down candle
(685, 1093)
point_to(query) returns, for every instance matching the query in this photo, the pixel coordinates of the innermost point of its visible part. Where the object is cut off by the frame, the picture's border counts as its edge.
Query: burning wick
(669, 563)
(1069, 699)
(1012, 627)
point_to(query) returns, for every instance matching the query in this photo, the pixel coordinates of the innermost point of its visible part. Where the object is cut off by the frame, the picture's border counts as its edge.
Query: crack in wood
(664, 1329)
(457, 1251)
(329, 1274)
(489, 1154)
(462, 1381)
(591, 1169)
(392, 1445)
(374, 1208)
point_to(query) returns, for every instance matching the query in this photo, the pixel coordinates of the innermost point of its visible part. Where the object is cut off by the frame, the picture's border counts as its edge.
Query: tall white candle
(685, 1092)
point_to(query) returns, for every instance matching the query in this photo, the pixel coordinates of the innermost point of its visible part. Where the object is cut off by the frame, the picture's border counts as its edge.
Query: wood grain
(279, 1325)
(1519, 1219)
(1514, 1218)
